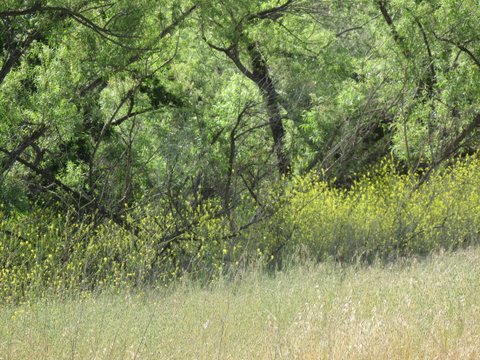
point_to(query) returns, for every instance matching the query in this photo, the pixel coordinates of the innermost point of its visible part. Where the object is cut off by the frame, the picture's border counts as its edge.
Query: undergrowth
(382, 216)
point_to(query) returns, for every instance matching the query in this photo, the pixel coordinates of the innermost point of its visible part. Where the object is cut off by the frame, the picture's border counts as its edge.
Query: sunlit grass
(420, 309)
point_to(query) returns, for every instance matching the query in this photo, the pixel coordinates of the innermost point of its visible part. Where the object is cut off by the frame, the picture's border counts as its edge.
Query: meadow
(416, 308)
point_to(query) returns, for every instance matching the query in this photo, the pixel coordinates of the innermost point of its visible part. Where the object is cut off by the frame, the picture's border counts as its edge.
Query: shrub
(384, 215)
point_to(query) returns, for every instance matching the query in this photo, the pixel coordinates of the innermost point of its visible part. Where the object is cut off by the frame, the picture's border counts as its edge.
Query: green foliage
(174, 137)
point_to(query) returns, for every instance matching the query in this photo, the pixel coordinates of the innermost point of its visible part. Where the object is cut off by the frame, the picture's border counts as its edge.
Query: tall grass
(410, 309)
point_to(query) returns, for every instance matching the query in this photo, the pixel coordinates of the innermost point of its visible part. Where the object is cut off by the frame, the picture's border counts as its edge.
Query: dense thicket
(383, 217)
(178, 112)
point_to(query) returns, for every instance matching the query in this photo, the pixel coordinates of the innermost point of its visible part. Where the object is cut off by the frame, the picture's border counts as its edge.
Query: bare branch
(102, 31)
(233, 53)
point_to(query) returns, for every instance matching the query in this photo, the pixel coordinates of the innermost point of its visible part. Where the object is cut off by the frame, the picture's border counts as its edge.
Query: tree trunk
(261, 77)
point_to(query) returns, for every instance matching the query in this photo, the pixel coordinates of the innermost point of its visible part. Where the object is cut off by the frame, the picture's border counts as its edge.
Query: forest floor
(412, 309)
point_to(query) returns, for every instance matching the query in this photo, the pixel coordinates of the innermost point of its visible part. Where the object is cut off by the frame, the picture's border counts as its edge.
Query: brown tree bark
(261, 77)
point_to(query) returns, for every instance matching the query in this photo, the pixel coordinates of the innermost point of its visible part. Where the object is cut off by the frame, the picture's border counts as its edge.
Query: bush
(41, 252)
(384, 215)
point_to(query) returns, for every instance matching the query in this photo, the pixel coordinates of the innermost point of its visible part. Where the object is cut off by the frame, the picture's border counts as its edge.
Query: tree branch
(388, 19)
(450, 149)
(130, 115)
(273, 13)
(15, 55)
(170, 28)
(461, 47)
(26, 142)
(54, 182)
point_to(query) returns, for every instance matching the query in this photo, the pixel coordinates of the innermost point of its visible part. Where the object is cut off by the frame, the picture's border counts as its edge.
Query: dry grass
(426, 309)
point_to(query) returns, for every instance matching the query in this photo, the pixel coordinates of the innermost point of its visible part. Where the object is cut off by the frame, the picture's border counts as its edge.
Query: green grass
(413, 309)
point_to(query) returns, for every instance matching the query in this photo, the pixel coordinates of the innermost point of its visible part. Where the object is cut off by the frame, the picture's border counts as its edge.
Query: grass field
(416, 309)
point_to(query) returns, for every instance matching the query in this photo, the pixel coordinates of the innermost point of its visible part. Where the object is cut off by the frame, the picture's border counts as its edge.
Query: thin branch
(389, 20)
(127, 96)
(130, 115)
(170, 28)
(461, 47)
(233, 54)
(15, 55)
(265, 124)
(451, 149)
(102, 31)
(355, 28)
(433, 77)
(273, 13)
